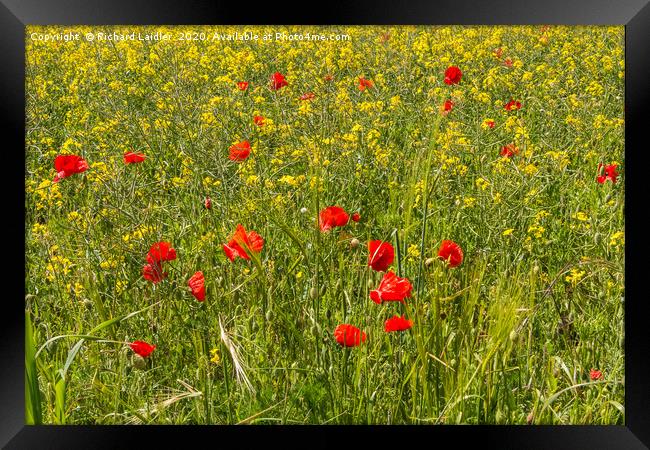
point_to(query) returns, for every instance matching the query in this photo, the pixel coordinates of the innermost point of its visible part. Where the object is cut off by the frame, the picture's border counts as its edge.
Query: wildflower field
(384, 225)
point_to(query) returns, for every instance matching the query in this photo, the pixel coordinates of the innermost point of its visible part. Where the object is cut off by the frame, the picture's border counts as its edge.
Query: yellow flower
(617, 239)
(413, 251)
(482, 183)
(215, 358)
(575, 276)
(507, 232)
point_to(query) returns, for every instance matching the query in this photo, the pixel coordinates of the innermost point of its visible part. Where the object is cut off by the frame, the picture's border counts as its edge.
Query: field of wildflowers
(392, 225)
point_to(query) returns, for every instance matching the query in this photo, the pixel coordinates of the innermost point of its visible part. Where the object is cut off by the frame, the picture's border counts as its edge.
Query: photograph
(325, 225)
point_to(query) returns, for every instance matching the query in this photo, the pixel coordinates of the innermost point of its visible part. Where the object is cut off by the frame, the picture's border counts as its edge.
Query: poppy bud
(354, 243)
(429, 261)
(269, 315)
(139, 362)
(323, 288)
(313, 293)
(303, 210)
(207, 203)
(598, 238)
(87, 303)
(513, 335)
(529, 418)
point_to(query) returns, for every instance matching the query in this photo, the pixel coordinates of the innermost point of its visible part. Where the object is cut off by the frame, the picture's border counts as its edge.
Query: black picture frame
(634, 14)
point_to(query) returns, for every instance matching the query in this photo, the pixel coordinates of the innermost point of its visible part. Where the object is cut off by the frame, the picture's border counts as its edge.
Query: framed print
(370, 223)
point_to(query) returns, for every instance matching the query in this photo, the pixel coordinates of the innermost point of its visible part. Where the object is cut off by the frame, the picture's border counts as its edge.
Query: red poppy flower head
(380, 255)
(207, 203)
(507, 62)
(509, 150)
(391, 289)
(132, 157)
(67, 165)
(258, 120)
(447, 106)
(607, 172)
(498, 52)
(451, 252)
(307, 96)
(240, 151)
(512, 105)
(365, 83)
(142, 348)
(243, 243)
(332, 216)
(161, 251)
(397, 323)
(453, 75)
(490, 123)
(242, 85)
(153, 272)
(356, 217)
(328, 77)
(197, 285)
(278, 81)
(595, 375)
(349, 335)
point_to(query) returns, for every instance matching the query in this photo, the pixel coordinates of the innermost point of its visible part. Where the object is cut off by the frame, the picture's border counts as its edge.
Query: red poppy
(397, 323)
(595, 375)
(197, 285)
(142, 348)
(208, 203)
(451, 252)
(132, 157)
(153, 272)
(608, 173)
(278, 81)
(380, 255)
(332, 216)
(356, 217)
(391, 289)
(307, 96)
(363, 84)
(512, 105)
(349, 335)
(489, 123)
(509, 150)
(507, 62)
(259, 120)
(161, 251)
(240, 151)
(242, 85)
(498, 52)
(242, 243)
(447, 106)
(67, 165)
(328, 77)
(453, 75)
